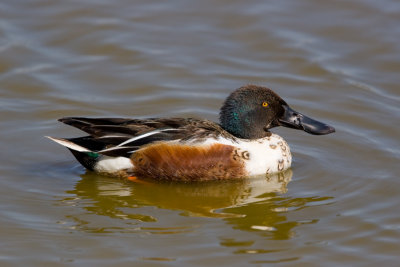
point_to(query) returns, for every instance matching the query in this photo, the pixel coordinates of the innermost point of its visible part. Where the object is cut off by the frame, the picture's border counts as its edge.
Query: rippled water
(337, 61)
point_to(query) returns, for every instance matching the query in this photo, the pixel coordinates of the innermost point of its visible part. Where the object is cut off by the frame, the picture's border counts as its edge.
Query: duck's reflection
(254, 204)
(198, 199)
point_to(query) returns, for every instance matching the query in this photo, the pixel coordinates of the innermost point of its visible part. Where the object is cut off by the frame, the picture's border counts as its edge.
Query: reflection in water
(255, 204)
(269, 215)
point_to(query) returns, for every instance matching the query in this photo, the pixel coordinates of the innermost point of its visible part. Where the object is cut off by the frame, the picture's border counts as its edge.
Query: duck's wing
(100, 127)
(121, 137)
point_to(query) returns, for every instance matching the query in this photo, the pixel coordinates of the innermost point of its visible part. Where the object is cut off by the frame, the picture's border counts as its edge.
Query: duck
(191, 149)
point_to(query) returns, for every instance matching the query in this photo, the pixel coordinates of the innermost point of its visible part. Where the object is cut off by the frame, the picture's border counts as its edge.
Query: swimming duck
(189, 149)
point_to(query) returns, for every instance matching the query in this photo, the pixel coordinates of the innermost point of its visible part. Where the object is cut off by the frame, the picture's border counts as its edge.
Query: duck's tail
(85, 156)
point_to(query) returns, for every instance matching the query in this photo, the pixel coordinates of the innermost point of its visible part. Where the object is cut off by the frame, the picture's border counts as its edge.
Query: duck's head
(250, 111)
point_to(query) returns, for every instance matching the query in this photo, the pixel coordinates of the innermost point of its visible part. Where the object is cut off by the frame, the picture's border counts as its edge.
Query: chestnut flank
(178, 162)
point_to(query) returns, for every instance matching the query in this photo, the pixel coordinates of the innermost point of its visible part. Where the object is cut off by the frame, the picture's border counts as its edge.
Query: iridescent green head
(250, 111)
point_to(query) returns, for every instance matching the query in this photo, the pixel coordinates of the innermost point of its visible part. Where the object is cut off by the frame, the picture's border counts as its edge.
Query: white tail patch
(113, 164)
(68, 144)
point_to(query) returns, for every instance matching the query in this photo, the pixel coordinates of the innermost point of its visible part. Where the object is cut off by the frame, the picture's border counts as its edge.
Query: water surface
(337, 61)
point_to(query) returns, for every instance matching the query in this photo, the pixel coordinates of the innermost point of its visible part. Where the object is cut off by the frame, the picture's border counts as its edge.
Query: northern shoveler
(189, 149)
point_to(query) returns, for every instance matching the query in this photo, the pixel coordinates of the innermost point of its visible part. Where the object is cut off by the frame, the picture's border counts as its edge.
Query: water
(336, 61)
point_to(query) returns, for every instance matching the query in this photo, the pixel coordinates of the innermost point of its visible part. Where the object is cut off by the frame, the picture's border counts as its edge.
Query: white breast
(265, 155)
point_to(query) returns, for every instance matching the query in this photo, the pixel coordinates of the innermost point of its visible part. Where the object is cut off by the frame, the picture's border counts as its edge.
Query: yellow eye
(265, 104)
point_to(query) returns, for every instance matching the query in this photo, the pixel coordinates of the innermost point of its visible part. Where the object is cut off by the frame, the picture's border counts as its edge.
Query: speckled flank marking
(281, 164)
(286, 155)
(285, 150)
(239, 154)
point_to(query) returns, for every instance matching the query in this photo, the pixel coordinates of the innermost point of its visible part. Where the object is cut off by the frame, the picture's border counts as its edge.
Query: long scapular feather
(124, 151)
(145, 135)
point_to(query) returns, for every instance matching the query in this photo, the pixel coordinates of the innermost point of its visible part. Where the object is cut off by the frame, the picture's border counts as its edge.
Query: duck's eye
(265, 104)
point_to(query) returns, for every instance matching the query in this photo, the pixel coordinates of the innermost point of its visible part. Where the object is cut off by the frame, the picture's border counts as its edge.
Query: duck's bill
(296, 120)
